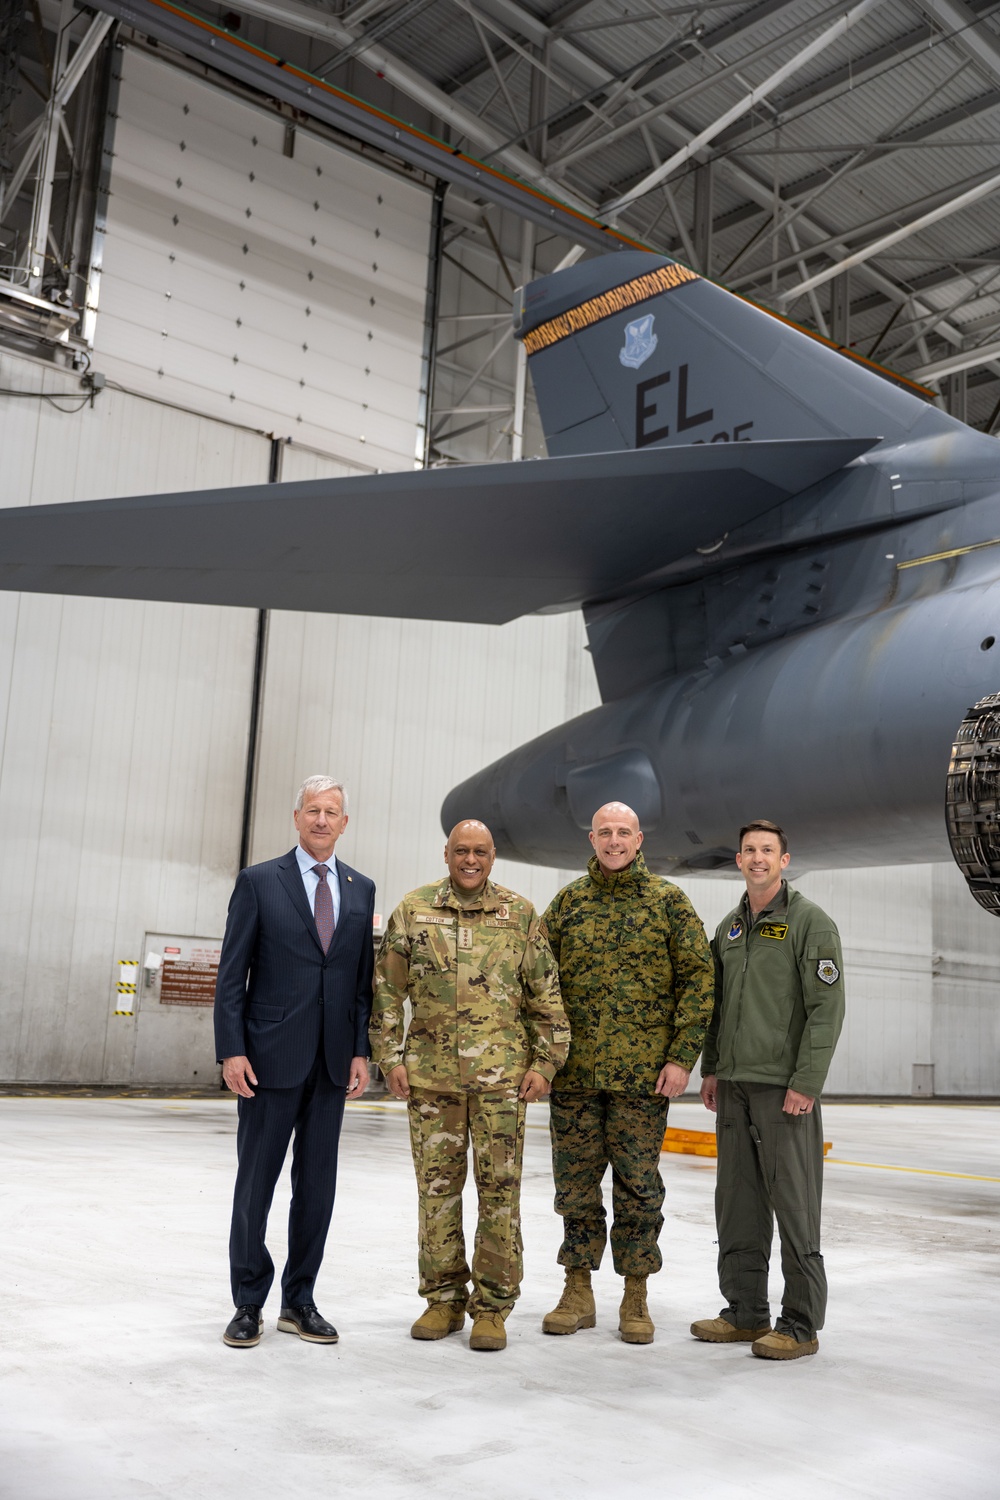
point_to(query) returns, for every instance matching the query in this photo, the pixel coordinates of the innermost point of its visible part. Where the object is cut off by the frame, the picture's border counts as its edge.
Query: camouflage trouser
(440, 1129)
(589, 1130)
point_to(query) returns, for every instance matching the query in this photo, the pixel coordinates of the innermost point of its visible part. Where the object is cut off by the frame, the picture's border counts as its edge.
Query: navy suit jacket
(277, 991)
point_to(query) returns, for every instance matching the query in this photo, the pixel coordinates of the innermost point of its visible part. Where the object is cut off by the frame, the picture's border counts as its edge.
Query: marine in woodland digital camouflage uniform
(636, 977)
(486, 1036)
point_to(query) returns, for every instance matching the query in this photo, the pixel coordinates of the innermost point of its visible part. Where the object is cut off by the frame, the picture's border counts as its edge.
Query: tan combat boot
(440, 1319)
(720, 1331)
(782, 1346)
(575, 1308)
(634, 1323)
(488, 1331)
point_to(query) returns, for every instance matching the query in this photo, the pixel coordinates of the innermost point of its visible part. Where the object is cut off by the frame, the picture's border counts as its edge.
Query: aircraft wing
(483, 543)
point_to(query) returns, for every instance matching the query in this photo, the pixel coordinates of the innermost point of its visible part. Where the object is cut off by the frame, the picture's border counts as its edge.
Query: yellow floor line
(882, 1166)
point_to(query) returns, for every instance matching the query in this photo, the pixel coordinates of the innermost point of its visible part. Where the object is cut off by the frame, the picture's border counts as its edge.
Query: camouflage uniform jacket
(484, 990)
(636, 976)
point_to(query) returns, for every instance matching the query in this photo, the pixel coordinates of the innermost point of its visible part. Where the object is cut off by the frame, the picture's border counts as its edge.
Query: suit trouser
(589, 1129)
(314, 1111)
(770, 1166)
(441, 1127)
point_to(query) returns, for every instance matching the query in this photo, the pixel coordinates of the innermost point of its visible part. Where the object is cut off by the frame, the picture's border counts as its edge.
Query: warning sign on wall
(188, 970)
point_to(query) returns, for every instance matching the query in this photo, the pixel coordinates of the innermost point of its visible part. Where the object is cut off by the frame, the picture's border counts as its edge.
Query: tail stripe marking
(618, 299)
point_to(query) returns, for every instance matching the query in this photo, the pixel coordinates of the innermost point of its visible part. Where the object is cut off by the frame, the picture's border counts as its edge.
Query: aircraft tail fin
(633, 350)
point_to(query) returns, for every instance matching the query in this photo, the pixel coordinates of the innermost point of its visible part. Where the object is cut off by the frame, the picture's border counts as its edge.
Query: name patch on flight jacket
(777, 930)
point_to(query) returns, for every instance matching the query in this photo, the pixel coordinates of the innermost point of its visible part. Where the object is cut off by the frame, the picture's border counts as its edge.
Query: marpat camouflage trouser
(440, 1129)
(591, 1128)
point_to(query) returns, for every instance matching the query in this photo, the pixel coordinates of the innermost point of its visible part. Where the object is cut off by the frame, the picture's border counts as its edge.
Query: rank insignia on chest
(736, 930)
(465, 937)
(827, 970)
(777, 930)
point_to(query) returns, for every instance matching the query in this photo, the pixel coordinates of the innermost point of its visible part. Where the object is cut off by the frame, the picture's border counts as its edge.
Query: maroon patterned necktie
(324, 907)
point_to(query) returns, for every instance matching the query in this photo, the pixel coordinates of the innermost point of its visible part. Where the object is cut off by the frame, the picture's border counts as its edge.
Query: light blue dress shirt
(311, 881)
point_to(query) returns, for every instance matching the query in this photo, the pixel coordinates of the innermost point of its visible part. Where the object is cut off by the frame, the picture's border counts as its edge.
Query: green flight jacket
(779, 995)
(483, 988)
(636, 978)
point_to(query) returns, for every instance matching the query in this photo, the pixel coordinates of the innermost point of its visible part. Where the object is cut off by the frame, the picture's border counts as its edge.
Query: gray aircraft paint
(759, 647)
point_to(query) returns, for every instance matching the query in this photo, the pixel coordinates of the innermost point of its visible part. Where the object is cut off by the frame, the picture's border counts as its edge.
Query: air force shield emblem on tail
(640, 341)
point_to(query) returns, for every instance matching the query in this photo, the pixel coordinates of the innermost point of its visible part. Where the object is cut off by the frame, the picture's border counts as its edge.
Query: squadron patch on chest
(827, 970)
(503, 912)
(777, 930)
(736, 930)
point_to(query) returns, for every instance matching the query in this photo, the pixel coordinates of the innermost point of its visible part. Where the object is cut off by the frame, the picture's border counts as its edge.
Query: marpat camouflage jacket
(636, 976)
(483, 987)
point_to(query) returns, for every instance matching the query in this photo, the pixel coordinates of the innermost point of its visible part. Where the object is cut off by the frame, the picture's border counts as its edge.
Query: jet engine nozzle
(972, 801)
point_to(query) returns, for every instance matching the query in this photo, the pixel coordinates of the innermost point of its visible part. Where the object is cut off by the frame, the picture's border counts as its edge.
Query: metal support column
(257, 693)
(840, 310)
(702, 237)
(521, 372)
(431, 310)
(51, 131)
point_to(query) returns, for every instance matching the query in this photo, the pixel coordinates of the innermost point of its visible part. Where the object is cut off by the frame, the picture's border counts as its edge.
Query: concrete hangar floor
(115, 1383)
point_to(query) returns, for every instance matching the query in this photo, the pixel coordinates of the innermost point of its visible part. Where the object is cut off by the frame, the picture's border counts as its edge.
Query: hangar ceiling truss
(837, 162)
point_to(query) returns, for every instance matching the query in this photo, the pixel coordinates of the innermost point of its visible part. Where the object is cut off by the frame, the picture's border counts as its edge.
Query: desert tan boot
(575, 1308)
(488, 1331)
(634, 1323)
(782, 1346)
(440, 1319)
(719, 1331)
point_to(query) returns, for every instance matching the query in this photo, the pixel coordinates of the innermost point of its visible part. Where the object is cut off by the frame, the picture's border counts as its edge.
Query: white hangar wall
(123, 726)
(283, 292)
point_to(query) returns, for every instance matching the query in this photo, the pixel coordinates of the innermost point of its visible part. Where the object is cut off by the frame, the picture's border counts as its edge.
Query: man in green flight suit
(779, 1007)
(636, 978)
(487, 1034)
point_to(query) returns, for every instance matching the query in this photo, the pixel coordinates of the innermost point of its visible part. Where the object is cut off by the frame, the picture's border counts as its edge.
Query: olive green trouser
(591, 1128)
(770, 1167)
(441, 1127)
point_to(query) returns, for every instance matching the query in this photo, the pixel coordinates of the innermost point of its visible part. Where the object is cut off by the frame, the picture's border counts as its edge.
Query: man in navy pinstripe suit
(292, 1003)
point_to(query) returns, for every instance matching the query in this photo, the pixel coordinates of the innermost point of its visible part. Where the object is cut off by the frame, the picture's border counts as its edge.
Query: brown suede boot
(488, 1331)
(634, 1323)
(575, 1308)
(440, 1319)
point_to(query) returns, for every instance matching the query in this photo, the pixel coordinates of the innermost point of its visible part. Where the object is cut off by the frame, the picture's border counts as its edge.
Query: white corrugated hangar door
(286, 293)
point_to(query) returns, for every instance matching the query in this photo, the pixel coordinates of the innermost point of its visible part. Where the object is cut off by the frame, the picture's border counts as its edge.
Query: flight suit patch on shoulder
(827, 970)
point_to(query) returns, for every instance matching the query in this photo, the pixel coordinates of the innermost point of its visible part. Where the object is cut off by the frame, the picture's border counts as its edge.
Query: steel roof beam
(761, 91)
(923, 221)
(964, 32)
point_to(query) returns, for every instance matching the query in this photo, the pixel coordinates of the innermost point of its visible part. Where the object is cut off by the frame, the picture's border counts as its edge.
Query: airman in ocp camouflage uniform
(486, 1036)
(636, 977)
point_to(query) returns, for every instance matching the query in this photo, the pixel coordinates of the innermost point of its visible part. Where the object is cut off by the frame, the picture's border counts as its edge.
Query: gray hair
(314, 784)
